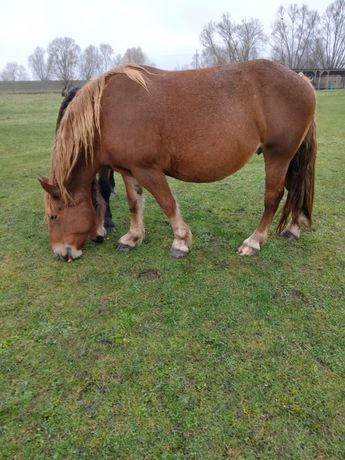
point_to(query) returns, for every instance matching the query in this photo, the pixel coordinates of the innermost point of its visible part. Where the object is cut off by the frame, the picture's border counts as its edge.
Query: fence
(325, 79)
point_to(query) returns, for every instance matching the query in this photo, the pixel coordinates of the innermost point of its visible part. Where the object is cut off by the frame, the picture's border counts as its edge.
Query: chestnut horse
(195, 125)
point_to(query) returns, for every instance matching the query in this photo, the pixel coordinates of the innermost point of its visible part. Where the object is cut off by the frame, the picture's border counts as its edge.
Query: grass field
(220, 357)
(35, 87)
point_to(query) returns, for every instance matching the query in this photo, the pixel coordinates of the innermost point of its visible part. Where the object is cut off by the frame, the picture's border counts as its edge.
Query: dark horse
(196, 125)
(104, 184)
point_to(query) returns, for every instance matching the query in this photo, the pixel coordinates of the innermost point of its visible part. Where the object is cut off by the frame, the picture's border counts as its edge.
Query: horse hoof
(124, 247)
(98, 239)
(246, 250)
(288, 235)
(177, 253)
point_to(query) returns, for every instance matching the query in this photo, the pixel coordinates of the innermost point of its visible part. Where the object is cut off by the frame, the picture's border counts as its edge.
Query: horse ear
(52, 189)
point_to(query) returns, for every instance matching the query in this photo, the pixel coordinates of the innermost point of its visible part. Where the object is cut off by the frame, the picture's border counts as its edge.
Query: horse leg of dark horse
(136, 232)
(276, 169)
(156, 183)
(112, 181)
(105, 185)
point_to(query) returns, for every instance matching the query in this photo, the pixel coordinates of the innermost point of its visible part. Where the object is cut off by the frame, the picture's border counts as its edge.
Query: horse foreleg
(274, 190)
(156, 183)
(136, 232)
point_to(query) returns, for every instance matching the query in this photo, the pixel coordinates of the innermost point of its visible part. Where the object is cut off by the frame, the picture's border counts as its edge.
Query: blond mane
(81, 122)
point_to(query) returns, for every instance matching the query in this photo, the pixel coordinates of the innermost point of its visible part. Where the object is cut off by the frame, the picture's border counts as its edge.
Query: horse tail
(299, 183)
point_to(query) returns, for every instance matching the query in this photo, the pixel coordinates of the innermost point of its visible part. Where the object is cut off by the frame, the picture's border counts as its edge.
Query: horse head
(74, 221)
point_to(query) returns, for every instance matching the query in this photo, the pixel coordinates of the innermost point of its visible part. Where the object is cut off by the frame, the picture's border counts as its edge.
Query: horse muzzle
(67, 253)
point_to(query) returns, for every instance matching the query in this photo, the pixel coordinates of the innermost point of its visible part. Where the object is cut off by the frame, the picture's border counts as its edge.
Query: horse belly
(206, 142)
(209, 162)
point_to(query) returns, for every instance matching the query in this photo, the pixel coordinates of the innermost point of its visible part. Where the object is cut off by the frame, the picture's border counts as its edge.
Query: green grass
(35, 87)
(221, 357)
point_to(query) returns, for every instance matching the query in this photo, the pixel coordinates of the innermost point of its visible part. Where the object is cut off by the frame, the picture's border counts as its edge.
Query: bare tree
(227, 41)
(40, 67)
(195, 64)
(135, 55)
(64, 58)
(90, 63)
(228, 31)
(212, 54)
(330, 46)
(116, 60)
(14, 72)
(252, 39)
(294, 33)
(106, 52)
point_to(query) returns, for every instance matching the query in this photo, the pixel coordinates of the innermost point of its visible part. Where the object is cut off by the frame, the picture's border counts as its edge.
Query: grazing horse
(104, 183)
(197, 125)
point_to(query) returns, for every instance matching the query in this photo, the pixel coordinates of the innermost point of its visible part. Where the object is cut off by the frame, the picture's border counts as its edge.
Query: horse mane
(80, 124)
(68, 97)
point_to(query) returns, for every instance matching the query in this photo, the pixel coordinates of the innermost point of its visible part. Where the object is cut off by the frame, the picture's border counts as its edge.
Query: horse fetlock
(291, 232)
(131, 239)
(183, 233)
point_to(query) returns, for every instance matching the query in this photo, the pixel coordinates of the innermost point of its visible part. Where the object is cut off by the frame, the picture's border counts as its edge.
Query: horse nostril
(68, 255)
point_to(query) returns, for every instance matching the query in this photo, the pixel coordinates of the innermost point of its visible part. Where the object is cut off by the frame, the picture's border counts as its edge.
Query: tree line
(300, 38)
(64, 60)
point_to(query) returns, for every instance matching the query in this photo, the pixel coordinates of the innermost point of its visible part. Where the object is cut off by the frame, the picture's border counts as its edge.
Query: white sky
(167, 30)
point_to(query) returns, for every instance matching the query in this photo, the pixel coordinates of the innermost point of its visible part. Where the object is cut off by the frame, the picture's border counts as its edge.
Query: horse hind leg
(300, 180)
(293, 229)
(136, 232)
(156, 183)
(276, 168)
(182, 235)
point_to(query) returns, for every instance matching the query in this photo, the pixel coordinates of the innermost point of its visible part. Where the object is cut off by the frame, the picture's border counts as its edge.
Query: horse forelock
(81, 123)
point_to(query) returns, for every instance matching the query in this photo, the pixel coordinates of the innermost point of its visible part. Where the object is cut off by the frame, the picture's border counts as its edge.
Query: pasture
(141, 356)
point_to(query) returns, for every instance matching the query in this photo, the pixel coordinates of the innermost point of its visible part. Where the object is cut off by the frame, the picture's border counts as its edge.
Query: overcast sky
(167, 30)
